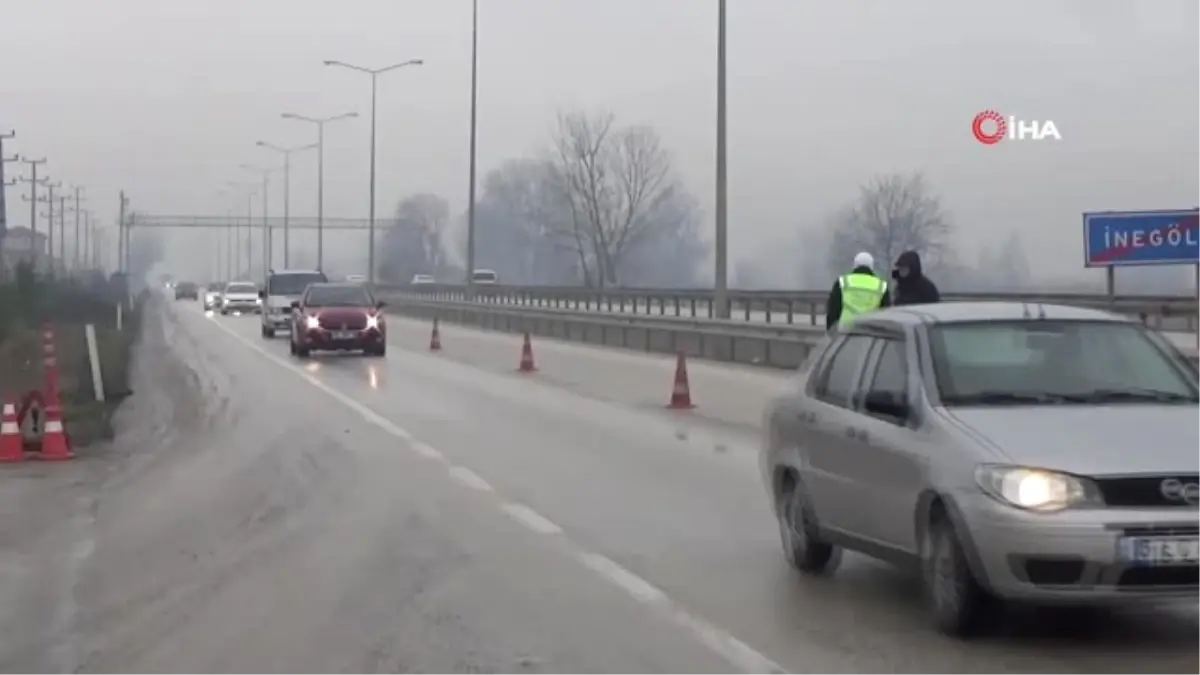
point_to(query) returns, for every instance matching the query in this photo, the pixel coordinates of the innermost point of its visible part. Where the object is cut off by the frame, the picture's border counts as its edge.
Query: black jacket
(833, 305)
(916, 288)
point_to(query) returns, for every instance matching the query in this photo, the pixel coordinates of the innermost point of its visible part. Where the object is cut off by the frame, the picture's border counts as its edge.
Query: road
(442, 513)
(1187, 341)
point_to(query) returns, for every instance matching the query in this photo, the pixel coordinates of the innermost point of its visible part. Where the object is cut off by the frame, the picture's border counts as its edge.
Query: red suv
(338, 317)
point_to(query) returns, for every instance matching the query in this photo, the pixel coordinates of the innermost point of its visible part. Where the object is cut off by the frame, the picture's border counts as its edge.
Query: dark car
(338, 317)
(186, 290)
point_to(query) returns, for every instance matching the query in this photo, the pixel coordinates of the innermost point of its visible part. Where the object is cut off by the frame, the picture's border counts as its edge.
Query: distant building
(21, 245)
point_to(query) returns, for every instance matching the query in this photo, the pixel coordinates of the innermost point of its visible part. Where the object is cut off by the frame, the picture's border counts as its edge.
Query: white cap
(864, 259)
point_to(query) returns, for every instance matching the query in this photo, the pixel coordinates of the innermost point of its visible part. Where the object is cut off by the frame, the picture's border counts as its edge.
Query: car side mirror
(295, 304)
(887, 403)
(262, 294)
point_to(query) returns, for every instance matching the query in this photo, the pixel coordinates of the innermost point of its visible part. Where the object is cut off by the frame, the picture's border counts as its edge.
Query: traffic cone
(435, 338)
(681, 392)
(12, 445)
(55, 446)
(527, 357)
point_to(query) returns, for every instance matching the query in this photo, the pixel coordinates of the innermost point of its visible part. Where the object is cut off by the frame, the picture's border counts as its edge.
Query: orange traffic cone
(435, 338)
(55, 446)
(681, 392)
(12, 445)
(527, 357)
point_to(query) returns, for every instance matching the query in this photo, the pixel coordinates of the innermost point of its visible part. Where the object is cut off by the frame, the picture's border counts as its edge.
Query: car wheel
(957, 601)
(380, 350)
(802, 546)
(268, 333)
(301, 351)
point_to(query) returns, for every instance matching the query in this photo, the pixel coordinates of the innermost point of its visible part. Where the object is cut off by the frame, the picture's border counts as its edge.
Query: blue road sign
(1122, 238)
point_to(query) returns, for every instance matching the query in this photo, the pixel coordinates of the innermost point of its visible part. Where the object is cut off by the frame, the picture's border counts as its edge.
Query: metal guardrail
(772, 345)
(1167, 313)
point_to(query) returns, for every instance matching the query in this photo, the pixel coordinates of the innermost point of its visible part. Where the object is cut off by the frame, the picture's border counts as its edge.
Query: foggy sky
(165, 98)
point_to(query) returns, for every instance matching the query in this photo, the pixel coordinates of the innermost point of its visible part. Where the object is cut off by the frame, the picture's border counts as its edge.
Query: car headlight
(372, 321)
(1036, 489)
(258, 301)
(312, 322)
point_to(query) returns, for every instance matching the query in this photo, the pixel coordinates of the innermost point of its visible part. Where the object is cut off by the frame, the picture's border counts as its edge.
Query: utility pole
(49, 201)
(62, 230)
(34, 182)
(471, 167)
(720, 309)
(4, 185)
(122, 240)
(78, 208)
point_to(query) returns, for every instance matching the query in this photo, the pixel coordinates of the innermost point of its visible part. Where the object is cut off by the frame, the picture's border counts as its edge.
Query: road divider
(760, 344)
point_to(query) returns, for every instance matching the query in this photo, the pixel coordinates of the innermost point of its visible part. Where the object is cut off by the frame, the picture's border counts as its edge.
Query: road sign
(1125, 238)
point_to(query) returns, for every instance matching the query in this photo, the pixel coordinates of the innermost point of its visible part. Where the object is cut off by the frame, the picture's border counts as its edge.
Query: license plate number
(344, 335)
(1156, 551)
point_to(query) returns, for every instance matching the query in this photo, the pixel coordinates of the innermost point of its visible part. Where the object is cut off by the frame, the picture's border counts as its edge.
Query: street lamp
(287, 190)
(320, 122)
(374, 73)
(266, 186)
(720, 281)
(471, 163)
(236, 242)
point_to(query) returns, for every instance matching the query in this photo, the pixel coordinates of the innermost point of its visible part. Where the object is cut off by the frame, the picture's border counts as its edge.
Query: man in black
(912, 287)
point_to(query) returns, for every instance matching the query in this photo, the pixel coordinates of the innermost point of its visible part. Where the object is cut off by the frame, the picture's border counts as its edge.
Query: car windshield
(1045, 361)
(338, 296)
(241, 288)
(293, 284)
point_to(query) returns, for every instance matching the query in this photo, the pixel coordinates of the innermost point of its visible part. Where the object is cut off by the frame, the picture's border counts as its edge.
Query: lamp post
(471, 163)
(374, 73)
(236, 242)
(287, 191)
(720, 280)
(266, 186)
(320, 122)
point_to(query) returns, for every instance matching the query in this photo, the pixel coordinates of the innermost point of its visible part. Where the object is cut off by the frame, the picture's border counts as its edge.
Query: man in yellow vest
(855, 293)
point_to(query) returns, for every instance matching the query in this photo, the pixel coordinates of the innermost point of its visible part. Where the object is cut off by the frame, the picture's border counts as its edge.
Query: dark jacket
(916, 288)
(833, 305)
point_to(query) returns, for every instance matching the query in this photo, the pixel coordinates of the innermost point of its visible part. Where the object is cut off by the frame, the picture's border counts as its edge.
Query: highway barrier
(1165, 313)
(757, 343)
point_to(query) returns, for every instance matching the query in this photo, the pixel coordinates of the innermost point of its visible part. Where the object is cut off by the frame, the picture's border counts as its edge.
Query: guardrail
(762, 344)
(1166, 313)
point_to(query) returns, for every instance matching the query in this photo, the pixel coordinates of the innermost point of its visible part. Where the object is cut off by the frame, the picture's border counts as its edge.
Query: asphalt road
(440, 512)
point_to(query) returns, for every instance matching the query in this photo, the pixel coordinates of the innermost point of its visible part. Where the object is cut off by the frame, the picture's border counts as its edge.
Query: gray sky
(165, 98)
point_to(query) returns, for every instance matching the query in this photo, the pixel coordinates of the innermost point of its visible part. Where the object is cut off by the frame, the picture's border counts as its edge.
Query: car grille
(344, 323)
(1142, 491)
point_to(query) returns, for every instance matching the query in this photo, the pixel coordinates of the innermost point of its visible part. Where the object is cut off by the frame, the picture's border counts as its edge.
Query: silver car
(1003, 450)
(284, 287)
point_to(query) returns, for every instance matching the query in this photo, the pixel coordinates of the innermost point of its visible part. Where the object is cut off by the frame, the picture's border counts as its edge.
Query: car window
(338, 296)
(1052, 362)
(841, 372)
(241, 288)
(293, 284)
(890, 371)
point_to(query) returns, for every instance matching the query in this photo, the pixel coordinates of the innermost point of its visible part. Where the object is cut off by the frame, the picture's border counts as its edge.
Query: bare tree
(614, 184)
(413, 244)
(893, 213)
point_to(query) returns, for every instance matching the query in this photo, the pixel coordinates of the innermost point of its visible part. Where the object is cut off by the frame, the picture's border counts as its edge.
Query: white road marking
(428, 451)
(531, 519)
(469, 478)
(721, 642)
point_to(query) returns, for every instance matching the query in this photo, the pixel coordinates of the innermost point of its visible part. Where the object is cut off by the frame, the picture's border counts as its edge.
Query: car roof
(276, 273)
(967, 312)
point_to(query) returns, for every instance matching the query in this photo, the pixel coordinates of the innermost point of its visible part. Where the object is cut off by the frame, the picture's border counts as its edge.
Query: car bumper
(323, 340)
(1074, 556)
(243, 307)
(277, 321)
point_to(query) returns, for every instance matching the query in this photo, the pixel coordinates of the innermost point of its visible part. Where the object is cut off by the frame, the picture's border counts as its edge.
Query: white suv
(282, 288)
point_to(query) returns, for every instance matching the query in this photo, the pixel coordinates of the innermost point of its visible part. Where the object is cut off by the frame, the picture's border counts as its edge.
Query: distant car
(422, 280)
(999, 448)
(212, 295)
(485, 278)
(240, 297)
(283, 288)
(186, 290)
(338, 317)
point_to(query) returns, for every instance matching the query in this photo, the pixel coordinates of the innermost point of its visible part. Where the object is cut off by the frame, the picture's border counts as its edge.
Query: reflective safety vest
(861, 293)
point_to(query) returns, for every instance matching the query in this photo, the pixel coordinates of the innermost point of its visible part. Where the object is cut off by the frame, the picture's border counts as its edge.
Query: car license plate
(1157, 551)
(344, 335)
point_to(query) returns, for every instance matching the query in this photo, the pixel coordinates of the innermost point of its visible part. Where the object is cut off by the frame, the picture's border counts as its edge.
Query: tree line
(602, 205)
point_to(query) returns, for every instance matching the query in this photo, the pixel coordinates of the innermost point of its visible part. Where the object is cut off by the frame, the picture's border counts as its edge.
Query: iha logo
(990, 127)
